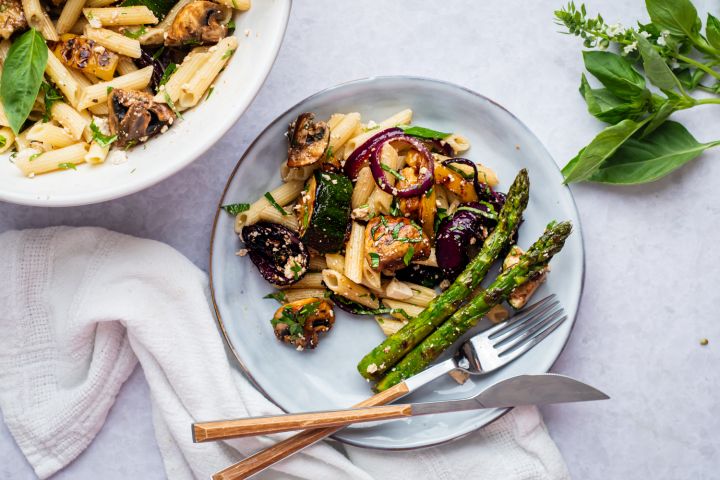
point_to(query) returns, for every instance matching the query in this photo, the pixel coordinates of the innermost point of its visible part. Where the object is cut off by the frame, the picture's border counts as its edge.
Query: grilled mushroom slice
(136, 116)
(307, 139)
(277, 252)
(12, 18)
(199, 23)
(392, 243)
(300, 322)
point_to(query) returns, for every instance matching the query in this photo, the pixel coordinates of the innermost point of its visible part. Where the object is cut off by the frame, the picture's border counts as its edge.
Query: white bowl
(166, 154)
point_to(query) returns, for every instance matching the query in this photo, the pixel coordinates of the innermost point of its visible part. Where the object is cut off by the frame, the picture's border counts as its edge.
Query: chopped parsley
(100, 138)
(279, 296)
(429, 192)
(3, 141)
(490, 214)
(33, 157)
(329, 153)
(396, 230)
(392, 171)
(422, 132)
(408, 255)
(171, 104)
(374, 259)
(235, 208)
(461, 172)
(157, 53)
(50, 95)
(169, 70)
(192, 42)
(269, 198)
(109, 89)
(135, 34)
(441, 214)
(357, 309)
(67, 166)
(227, 53)
(395, 208)
(210, 91)
(296, 269)
(231, 24)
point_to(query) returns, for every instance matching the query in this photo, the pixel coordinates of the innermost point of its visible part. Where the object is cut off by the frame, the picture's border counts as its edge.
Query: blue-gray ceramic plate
(326, 377)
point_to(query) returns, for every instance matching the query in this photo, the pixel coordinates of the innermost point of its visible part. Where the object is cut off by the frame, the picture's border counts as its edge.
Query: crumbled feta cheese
(372, 368)
(242, 252)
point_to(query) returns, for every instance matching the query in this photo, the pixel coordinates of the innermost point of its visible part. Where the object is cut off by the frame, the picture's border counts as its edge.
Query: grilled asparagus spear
(532, 262)
(387, 354)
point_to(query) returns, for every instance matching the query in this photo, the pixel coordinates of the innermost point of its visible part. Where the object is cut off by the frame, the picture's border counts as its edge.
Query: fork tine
(523, 316)
(522, 323)
(510, 354)
(528, 329)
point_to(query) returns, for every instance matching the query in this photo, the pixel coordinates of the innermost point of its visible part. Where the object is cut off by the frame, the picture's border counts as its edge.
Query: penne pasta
(334, 119)
(283, 195)
(69, 15)
(71, 120)
(457, 142)
(355, 253)
(343, 131)
(187, 70)
(114, 41)
(273, 215)
(400, 118)
(126, 65)
(63, 79)
(296, 294)
(192, 91)
(371, 278)
(380, 201)
(431, 261)
(422, 296)
(335, 261)
(390, 326)
(410, 309)
(50, 134)
(170, 17)
(98, 93)
(364, 186)
(310, 280)
(96, 154)
(299, 173)
(60, 159)
(317, 263)
(343, 286)
(119, 16)
(38, 19)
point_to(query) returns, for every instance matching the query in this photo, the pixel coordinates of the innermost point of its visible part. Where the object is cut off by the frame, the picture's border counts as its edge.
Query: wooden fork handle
(248, 427)
(265, 458)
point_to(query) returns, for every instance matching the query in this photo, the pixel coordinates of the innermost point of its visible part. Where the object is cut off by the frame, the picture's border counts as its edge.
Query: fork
(483, 353)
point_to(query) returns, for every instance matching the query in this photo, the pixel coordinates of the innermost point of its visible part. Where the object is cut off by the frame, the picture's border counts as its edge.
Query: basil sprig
(641, 144)
(422, 132)
(22, 76)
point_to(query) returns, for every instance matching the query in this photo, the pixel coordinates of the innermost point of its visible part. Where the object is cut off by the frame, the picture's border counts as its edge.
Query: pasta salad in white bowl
(102, 98)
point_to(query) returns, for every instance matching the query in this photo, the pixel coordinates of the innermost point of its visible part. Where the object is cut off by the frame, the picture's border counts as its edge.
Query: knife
(512, 392)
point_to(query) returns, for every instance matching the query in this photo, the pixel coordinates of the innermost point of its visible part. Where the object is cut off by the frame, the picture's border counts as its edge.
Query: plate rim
(212, 139)
(500, 412)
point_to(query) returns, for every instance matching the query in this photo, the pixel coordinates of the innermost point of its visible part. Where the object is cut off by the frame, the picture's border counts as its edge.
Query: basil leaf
(159, 7)
(679, 17)
(605, 106)
(422, 132)
(712, 31)
(407, 258)
(135, 34)
(22, 76)
(235, 208)
(656, 70)
(279, 296)
(616, 73)
(662, 114)
(374, 259)
(602, 147)
(51, 96)
(645, 160)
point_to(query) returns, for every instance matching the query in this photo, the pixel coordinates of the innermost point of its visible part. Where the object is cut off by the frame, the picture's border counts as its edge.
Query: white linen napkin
(80, 306)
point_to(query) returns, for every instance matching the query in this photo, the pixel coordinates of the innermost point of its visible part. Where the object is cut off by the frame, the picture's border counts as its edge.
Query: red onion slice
(427, 175)
(360, 155)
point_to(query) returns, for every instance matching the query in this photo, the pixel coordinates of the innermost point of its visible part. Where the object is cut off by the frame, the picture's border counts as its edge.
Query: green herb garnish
(100, 138)
(135, 34)
(33, 157)
(3, 141)
(67, 166)
(157, 53)
(408, 255)
(395, 208)
(422, 132)
(272, 201)
(279, 296)
(50, 96)
(171, 104)
(169, 70)
(227, 54)
(235, 208)
(374, 260)
(392, 171)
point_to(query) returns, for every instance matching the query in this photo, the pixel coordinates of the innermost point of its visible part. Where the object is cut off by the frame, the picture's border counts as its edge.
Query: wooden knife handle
(249, 427)
(265, 458)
